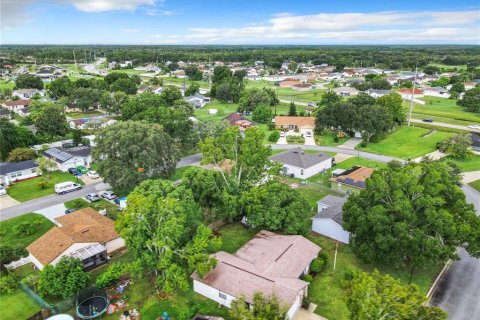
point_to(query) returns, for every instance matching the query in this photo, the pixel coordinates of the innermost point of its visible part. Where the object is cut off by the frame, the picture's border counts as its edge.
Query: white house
(197, 101)
(70, 158)
(27, 93)
(83, 234)
(346, 91)
(298, 164)
(375, 93)
(15, 171)
(269, 263)
(436, 92)
(329, 220)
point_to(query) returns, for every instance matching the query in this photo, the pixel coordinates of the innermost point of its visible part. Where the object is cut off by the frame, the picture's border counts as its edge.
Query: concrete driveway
(351, 144)
(282, 140)
(52, 212)
(303, 314)
(470, 176)
(309, 141)
(6, 202)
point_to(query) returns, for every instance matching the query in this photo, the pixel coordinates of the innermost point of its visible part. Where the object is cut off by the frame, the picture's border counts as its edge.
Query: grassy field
(328, 139)
(443, 119)
(408, 142)
(17, 305)
(475, 184)
(355, 161)
(471, 163)
(6, 85)
(224, 109)
(445, 108)
(87, 114)
(447, 67)
(288, 93)
(10, 237)
(29, 189)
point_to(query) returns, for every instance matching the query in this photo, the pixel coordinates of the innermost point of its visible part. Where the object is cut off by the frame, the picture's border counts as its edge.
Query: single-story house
(269, 263)
(289, 83)
(436, 92)
(24, 112)
(376, 93)
(407, 93)
(27, 93)
(4, 113)
(470, 85)
(198, 101)
(71, 157)
(16, 105)
(292, 123)
(302, 87)
(84, 234)
(15, 171)
(329, 219)
(351, 180)
(299, 164)
(346, 91)
(475, 142)
(236, 119)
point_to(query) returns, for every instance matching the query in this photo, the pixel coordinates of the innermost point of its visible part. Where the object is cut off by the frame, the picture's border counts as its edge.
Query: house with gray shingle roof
(329, 219)
(15, 171)
(299, 164)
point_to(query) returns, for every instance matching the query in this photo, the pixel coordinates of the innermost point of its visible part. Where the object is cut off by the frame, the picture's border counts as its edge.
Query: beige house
(269, 263)
(84, 234)
(292, 123)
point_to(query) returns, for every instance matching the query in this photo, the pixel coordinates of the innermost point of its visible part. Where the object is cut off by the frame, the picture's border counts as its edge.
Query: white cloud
(109, 5)
(14, 13)
(376, 27)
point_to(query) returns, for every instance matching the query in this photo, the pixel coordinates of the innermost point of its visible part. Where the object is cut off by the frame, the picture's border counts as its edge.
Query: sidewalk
(470, 176)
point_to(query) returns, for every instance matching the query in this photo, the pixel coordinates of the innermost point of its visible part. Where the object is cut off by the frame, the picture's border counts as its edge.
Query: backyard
(10, 237)
(86, 114)
(408, 143)
(17, 305)
(30, 189)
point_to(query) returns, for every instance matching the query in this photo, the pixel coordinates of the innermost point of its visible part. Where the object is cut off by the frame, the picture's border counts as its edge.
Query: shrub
(9, 254)
(363, 144)
(8, 284)
(113, 273)
(324, 257)
(307, 278)
(335, 139)
(317, 265)
(306, 302)
(25, 229)
(274, 136)
(76, 204)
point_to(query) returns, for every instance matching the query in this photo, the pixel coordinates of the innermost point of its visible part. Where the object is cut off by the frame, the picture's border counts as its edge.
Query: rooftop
(8, 167)
(298, 121)
(332, 208)
(298, 158)
(354, 177)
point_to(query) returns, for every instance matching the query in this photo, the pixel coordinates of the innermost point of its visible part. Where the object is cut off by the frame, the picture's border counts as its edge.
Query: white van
(68, 186)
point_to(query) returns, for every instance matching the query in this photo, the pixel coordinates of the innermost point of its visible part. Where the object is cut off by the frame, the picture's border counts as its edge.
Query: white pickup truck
(68, 186)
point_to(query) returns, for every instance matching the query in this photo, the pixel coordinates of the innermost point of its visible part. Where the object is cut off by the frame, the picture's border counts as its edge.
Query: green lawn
(17, 305)
(443, 120)
(471, 163)
(234, 236)
(447, 67)
(224, 109)
(178, 174)
(326, 289)
(446, 108)
(356, 161)
(328, 139)
(9, 237)
(408, 142)
(6, 85)
(86, 114)
(29, 189)
(475, 184)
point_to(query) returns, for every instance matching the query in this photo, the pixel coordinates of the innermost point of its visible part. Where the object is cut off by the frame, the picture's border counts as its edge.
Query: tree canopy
(28, 81)
(162, 228)
(129, 152)
(13, 136)
(263, 308)
(471, 100)
(413, 216)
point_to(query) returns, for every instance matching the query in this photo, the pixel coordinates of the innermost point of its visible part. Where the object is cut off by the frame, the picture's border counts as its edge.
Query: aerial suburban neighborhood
(260, 160)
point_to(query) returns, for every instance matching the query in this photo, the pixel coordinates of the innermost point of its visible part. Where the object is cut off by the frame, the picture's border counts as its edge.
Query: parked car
(308, 134)
(73, 171)
(109, 195)
(282, 134)
(70, 211)
(69, 186)
(427, 120)
(81, 169)
(93, 174)
(92, 197)
(2, 191)
(474, 126)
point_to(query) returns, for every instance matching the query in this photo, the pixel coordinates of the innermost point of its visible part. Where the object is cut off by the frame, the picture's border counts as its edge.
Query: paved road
(189, 160)
(51, 200)
(446, 125)
(459, 290)
(367, 155)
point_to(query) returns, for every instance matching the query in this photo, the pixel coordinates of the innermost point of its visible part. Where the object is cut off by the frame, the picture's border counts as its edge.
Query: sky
(312, 22)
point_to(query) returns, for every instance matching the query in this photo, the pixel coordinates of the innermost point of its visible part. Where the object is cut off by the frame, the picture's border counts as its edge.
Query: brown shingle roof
(83, 226)
(355, 177)
(298, 121)
(269, 263)
(21, 102)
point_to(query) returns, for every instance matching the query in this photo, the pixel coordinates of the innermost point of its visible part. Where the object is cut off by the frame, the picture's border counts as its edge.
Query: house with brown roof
(236, 119)
(302, 87)
(269, 263)
(16, 105)
(351, 180)
(289, 82)
(292, 123)
(84, 234)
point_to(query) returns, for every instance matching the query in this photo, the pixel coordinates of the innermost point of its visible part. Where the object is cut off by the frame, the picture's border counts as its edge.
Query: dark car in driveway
(73, 171)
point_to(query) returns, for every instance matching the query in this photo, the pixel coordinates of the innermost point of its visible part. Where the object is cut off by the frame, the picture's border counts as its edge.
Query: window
(16, 174)
(222, 295)
(301, 172)
(34, 170)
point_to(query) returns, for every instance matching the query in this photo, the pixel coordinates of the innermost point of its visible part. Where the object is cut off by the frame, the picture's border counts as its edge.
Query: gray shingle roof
(8, 167)
(298, 158)
(334, 210)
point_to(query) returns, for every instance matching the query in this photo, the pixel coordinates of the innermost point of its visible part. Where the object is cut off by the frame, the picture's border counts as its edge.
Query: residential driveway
(470, 176)
(351, 144)
(435, 155)
(339, 157)
(309, 141)
(7, 202)
(52, 212)
(87, 180)
(303, 314)
(282, 140)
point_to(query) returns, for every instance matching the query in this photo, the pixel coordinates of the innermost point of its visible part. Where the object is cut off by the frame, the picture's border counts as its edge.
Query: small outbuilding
(329, 219)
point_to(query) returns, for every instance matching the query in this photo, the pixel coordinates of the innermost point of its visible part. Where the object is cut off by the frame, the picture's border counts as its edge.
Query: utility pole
(413, 94)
